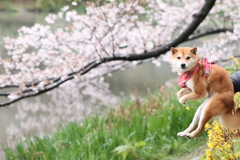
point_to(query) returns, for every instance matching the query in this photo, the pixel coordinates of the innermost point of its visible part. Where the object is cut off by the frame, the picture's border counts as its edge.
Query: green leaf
(121, 149)
(127, 143)
(141, 143)
(125, 154)
(124, 150)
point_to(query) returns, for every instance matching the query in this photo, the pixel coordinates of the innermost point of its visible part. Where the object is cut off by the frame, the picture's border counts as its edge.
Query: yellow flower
(217, 129)
(227, 146)
(208, 152)
(218, 137)
(209, 158)
(210, 145)
(215, 123)
(238, 154)
(207, 126)
(187, 108)
(236, 60)
(210, 132)
(231, 156)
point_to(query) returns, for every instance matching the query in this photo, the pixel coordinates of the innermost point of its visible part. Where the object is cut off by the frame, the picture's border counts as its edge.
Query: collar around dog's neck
(187, 75)
(183, 78)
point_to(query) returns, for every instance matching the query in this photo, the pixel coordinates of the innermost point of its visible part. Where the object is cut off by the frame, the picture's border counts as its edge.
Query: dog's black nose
(183, 65)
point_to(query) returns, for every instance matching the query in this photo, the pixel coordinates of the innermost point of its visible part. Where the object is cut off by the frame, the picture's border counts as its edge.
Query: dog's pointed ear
(194, 50)
(173, 50)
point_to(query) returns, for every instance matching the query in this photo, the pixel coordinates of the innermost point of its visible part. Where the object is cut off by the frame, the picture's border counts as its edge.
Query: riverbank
(140, 129)
(38, 5)
(17, 6)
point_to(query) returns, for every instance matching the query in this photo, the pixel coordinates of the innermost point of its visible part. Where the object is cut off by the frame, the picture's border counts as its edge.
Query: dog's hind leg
(194, 122)
(212, 108)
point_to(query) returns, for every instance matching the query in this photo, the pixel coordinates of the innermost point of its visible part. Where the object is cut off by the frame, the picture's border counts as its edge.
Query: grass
(143, 129)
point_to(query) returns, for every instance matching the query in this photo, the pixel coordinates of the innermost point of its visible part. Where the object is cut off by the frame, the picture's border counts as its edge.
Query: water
(44, 113)
(11, 22)
(143, 78)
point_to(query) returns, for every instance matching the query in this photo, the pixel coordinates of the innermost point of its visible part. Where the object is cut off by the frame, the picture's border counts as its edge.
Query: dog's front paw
(179, 95)
(181, 134)
(182, 100)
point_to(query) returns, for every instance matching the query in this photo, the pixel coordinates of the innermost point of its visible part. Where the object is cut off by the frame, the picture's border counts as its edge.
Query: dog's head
(184, 58)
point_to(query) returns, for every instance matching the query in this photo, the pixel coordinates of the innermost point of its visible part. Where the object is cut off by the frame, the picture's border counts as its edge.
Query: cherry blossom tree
(83, 47)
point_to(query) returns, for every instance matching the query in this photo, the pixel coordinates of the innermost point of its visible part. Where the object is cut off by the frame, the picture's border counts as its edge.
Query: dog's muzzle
(183, 65)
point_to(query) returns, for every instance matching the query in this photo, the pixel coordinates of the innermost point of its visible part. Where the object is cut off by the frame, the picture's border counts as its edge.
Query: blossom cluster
(220, 142)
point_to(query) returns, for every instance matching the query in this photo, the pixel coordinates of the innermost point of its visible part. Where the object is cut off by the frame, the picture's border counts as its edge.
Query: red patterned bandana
(188, 75)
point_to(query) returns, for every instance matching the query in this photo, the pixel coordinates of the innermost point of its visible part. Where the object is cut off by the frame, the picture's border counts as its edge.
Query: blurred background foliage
(43, 5)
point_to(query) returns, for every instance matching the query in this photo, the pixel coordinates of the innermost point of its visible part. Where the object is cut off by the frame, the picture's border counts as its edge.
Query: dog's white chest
(190, 84)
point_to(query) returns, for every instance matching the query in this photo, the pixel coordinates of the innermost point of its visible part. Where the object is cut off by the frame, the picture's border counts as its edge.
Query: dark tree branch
(210, 32)
(184, 36)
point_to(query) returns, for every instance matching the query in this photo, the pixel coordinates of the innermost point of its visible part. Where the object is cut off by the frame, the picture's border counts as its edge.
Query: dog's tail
(231, 119)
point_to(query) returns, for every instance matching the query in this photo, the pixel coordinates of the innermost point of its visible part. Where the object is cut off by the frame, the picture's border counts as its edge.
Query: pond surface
(44, 113)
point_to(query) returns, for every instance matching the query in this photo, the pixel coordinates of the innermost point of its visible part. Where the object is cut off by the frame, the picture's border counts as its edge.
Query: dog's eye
(188, 57)
(178, 57)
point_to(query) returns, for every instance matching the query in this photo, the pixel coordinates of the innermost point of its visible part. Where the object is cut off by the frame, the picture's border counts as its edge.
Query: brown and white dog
(216, 86)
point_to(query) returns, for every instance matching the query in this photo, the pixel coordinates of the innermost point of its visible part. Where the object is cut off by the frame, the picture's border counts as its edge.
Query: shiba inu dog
(204, 80)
